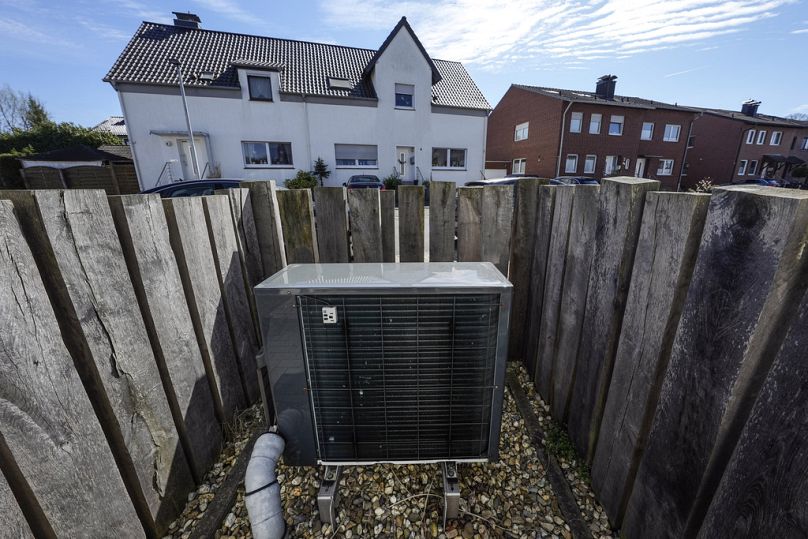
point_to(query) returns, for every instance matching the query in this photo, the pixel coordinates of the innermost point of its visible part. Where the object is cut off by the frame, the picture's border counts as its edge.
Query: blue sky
(696, 52)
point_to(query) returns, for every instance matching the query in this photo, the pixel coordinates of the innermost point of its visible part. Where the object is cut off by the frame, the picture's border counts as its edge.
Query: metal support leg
(451, 492)
(328, 495)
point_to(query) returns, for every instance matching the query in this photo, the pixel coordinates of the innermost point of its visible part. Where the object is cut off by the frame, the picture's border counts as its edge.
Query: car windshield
(363, 179)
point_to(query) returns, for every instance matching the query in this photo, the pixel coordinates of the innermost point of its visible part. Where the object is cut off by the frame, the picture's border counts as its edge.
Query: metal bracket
(328, 495)
(451, 492)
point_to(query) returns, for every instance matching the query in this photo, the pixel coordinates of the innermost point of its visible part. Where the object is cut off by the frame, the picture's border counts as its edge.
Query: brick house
(733, 146)
(551, 132)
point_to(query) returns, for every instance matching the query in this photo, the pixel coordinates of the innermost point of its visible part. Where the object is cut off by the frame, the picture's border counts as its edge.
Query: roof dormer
(401, 26)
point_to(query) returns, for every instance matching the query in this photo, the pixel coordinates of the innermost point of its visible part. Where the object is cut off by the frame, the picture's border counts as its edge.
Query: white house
(263, 108)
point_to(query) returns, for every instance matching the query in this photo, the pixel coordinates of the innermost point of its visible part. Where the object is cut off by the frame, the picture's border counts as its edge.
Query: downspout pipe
(262, 490)
(561, 143)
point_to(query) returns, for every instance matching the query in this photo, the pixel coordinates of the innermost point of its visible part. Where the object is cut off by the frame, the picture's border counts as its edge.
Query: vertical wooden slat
(366, 225)
(663, 264)
(387, 200)
(297, 219)
(263, 195)
(469, 224)
(442, 217)
(12, 521)
(332, 224)
(51, 444)
(496, 224)
(411, 223)
(750, 265)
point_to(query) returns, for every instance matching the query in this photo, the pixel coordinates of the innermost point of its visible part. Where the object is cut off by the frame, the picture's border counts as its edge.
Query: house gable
(402, 26)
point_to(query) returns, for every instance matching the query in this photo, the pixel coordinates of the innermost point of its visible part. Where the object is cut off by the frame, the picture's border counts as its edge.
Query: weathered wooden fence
(663, 329)
(115, 179)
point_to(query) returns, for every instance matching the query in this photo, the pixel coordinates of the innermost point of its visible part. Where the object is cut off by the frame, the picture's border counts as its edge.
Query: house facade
(551, 132)
(264, 108)
(734, 146)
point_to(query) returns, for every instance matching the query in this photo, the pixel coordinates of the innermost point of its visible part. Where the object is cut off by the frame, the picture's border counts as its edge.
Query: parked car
(507, 180)
(193, 188)
(574, 180)
(759, 181)
(364, 181)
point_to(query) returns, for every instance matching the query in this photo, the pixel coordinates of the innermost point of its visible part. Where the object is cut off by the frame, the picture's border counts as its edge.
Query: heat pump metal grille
(401, 377)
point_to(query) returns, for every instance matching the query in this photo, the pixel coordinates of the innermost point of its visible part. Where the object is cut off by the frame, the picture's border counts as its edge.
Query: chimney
(749, 107)
(186, 20)
(605, 86)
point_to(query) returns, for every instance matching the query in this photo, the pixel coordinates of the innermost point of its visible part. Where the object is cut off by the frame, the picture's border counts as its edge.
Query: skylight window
(206, 75)
(336, 83)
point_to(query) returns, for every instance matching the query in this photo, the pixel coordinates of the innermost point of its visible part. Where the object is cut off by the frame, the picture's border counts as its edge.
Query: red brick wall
(715, 147)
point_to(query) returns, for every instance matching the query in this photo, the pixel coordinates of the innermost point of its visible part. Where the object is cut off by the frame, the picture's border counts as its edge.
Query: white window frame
(618, 120)
(411, 93)
(579, 118)
(518, 165)
(357, 162)
(778, 135)
(593, 123)
(574, 170)
(804, 145)
(761, 137)
(668, 136)
(448, 152)
(665, 167)
(250, 77)
(269, 163)
(609, 165)
(752, 168)
(742, 167)
(521, 131)
(593, 159)
(650, 134)
(750, 136)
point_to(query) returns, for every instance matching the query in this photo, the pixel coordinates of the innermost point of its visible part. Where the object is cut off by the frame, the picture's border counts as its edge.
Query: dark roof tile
(580, 96)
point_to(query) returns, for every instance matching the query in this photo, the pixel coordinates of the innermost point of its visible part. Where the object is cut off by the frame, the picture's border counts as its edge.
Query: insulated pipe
(262, 491)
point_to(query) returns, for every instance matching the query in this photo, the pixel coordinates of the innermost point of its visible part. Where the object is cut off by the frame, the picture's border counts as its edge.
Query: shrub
(321, 170)
(302, 180)
(392, 181)
(705, 185)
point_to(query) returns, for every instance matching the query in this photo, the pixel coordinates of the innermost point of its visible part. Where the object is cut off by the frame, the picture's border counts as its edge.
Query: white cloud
(800, 31)
(490, 33)
(683, 72)
(231, 10)
(800, 108)
(102, 30)
(22, 31)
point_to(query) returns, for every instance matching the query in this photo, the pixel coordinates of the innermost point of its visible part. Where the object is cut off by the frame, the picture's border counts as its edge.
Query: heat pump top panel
(386, 362)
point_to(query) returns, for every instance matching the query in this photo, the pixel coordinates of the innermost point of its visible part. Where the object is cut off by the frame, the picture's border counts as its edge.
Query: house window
(750, 136)
(260, 88)
(777, 137)
(752, 168)
(519, 166)
(672, 133)
(448, 158)
(356, 155)
(576, 119)
(589, 164)
(262, 154)
(616, 125)
(609, 166)
(761, 136)
(647, 131)
(742, 167)
(520, 133)
(404, 93)
(804, 145)
(594, 124)
(572, 164)
(665, 167)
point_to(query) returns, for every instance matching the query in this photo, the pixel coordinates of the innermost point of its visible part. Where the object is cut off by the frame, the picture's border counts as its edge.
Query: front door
(639, 168)
(405, 163)
(187, 160)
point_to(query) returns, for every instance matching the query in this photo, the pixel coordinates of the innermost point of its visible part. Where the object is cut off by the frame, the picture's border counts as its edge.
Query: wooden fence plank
(668, 241)
(231, 280)
(496, 224)
(47, 422)
(267, 217)
(142, 229)
(387, 200)
(411, 223)
(748, 269)
(442, 216)
(299, 232)
(200, 281)
(620, 207)
(332, 224)
(519, 268)
(763, 490)
(469, 224)
(583, 219)
(12, 521)
(547, 345)
(88, 282)
(366, 225)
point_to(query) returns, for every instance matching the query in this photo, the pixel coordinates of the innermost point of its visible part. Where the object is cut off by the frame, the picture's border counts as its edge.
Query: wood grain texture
(387, 201)
(469, 224)
(668, 241)
(142, 229)
(521, 261)
(47, 424)
(583, 221)
(200, 281)
(411, 223)
(332, 224)
(12, 521)
(547, 345)
(749, 264)
(366, 225)
(442, 217)
(236, 302)
(496, 223)
(267, 217)
(620, 208)
(299, 231)
(538, 273)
